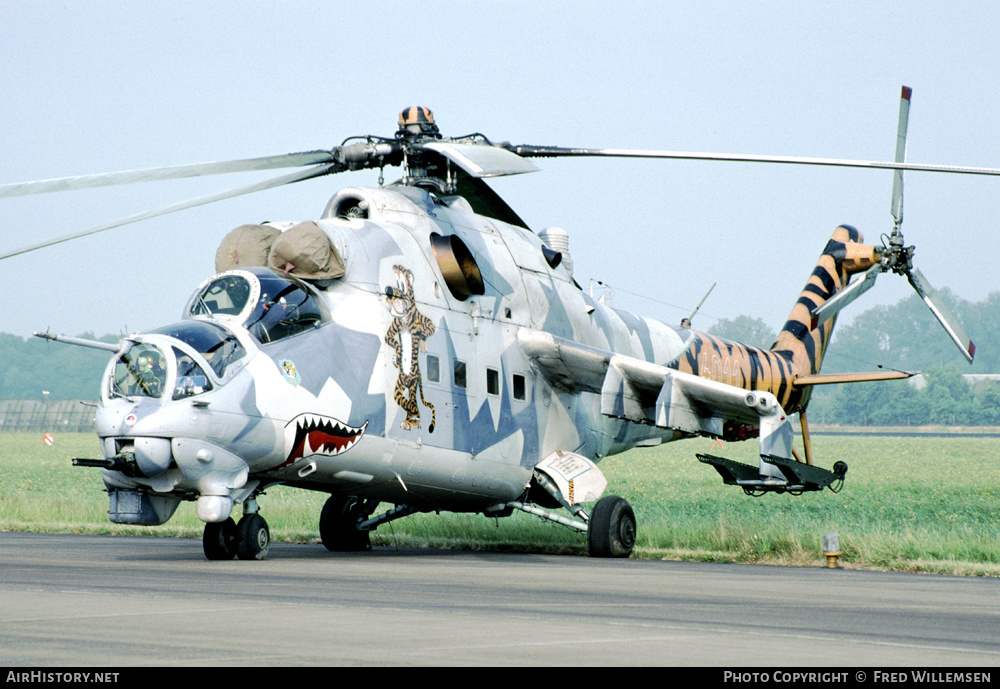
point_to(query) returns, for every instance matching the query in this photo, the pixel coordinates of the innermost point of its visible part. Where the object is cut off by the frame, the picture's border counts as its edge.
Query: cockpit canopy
(140, 371)
(271, 306)
(149, 368)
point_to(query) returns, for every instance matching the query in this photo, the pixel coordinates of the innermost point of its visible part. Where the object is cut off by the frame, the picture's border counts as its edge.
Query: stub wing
(647, 393)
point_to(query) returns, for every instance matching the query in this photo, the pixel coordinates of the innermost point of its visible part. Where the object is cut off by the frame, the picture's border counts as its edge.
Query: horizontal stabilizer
(829, 378)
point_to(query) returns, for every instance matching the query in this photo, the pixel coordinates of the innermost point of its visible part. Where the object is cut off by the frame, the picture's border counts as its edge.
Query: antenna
(686, 322)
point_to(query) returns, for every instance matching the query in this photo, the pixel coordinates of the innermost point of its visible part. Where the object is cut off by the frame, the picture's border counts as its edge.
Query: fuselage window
(492, 381)
(460, 379)
(433, 368)
(519, 387)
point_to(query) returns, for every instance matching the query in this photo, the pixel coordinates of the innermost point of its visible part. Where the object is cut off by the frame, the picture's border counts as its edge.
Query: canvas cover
(245, 247)
(305, 251)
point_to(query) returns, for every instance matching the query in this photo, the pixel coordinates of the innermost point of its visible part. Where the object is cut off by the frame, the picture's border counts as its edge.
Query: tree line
(29, 367)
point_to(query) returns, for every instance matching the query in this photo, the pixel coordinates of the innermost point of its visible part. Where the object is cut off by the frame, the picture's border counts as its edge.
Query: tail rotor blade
(944, 315)
(831, 307)
(897, 177)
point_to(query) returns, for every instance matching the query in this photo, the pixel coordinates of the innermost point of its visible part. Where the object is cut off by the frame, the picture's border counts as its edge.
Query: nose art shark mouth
(312, 434)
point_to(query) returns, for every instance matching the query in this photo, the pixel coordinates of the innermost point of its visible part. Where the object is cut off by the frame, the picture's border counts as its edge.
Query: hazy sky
(102, 86)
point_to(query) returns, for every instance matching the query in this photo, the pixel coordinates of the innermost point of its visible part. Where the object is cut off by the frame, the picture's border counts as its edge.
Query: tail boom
(845, 255)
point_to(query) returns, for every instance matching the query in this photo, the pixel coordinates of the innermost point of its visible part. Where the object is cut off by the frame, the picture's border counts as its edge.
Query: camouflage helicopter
(420, 346)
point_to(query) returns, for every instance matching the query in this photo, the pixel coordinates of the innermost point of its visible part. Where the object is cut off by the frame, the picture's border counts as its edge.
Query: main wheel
(253, 538)
(338, 525)
(219, 540)
(611, 529)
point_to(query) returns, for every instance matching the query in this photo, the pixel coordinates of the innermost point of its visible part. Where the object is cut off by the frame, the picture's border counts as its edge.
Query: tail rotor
(895, 256)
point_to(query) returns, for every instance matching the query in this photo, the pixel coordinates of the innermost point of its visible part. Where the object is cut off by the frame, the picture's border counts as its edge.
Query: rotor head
(417, 120)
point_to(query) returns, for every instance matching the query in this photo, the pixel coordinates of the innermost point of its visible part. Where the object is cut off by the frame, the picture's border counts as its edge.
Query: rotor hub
(417, 120)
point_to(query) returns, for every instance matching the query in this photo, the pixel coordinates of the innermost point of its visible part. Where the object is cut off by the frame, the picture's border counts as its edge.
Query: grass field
(909, 503)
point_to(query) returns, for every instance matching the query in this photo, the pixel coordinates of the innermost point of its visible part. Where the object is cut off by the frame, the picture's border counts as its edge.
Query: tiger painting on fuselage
(407, 335)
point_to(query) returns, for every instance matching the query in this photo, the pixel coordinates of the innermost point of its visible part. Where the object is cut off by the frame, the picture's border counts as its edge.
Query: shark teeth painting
(312, 434)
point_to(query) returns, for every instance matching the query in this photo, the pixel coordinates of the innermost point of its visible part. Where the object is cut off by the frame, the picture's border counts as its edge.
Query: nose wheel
(253, 538)
(219, 540)
(250, 539)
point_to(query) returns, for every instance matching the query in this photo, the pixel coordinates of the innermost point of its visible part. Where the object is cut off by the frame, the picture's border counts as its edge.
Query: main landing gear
(611, 529)
(346, 524)
(610, 526)
(250, 539)
(338, 523)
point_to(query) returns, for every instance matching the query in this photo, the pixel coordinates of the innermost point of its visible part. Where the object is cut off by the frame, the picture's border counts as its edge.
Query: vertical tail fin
(843, 256)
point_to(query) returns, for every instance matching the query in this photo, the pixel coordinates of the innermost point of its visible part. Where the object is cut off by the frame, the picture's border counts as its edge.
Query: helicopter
(419, 346)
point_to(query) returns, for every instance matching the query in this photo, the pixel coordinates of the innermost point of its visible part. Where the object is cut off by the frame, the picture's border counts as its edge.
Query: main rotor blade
(556, 152)
(183, 205)
(481, 161)
(944, 315)
(161, 173)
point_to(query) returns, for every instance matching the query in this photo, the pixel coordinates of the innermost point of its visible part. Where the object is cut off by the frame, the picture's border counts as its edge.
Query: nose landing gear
(253, 538)
(219, 540)
(250, 539)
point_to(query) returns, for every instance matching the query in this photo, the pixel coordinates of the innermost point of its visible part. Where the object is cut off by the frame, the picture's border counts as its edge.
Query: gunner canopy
(270, 306)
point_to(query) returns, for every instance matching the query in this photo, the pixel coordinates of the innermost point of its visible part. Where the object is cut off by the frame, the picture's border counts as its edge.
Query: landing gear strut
(610, 526)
